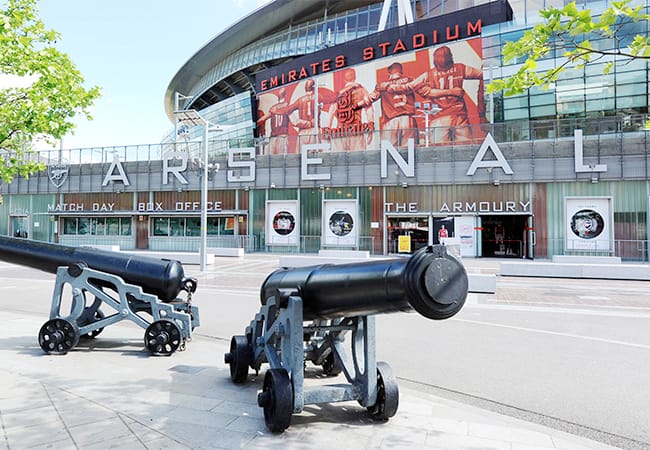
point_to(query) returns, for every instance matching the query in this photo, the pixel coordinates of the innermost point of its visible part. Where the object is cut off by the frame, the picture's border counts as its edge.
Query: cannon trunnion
(307, 313)
(141, 289)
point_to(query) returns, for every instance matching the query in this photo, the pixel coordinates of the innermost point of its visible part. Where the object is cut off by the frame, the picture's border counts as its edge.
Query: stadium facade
(327, 130)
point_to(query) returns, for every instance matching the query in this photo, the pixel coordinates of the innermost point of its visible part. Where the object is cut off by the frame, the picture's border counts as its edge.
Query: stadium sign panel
(426, 33)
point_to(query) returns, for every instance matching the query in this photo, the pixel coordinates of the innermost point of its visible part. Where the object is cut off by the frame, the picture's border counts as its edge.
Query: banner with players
(433, 96)
(396, 81)
(588, 224)
(282, 224)
(340, 223)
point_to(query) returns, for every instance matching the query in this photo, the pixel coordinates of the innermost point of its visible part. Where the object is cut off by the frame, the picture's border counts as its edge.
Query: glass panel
(571, 107)
(69, 225)
(213, 225)
(542, 111)
(125, 223)
(83, 225)
(630, 89)
(97, 225)
(112, 226)
(160, 226)
(177, 226)
(193, 226)
(600, 104)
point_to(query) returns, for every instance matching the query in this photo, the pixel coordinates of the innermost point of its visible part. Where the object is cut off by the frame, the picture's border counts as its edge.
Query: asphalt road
(572, 354)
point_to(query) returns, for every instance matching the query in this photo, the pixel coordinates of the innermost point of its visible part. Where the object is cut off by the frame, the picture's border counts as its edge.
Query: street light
(191, 117)
(428, 109)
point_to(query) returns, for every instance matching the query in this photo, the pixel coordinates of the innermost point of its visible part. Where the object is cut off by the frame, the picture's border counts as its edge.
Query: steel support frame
(124, 301)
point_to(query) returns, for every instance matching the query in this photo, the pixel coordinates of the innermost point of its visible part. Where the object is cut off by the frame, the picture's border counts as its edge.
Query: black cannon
(306, 313)
(128, 284)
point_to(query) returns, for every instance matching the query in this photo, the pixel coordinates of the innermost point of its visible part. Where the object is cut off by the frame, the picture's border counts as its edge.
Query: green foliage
(566, 33)
(44, 109)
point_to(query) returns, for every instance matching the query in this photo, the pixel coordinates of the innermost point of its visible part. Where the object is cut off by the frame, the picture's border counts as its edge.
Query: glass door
(407, 234)
(20, 226)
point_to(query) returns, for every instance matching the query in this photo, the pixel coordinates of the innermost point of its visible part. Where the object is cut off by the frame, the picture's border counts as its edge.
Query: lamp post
(191, 117)
(428, 109)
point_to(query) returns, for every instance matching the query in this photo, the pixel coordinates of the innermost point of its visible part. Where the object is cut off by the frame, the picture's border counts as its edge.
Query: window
(97, 226)
(191, 226)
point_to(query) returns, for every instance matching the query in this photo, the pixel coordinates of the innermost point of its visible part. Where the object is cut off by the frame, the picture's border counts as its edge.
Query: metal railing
(312, 244)
(510, 132)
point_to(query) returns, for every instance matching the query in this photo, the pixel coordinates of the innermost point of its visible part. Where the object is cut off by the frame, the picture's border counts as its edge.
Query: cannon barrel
(431, 281)
(160, 277)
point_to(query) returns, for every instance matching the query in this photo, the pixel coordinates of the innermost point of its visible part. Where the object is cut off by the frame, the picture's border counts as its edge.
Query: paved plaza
(109, 393)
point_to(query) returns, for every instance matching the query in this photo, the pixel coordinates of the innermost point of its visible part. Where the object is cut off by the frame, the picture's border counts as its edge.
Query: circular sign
(587, 224)
(284, 223)
(341, 223)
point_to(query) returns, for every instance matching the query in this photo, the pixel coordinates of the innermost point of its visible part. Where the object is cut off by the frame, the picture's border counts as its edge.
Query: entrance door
(142, 232)
(20, 226)
(407, 234)
(505, 236)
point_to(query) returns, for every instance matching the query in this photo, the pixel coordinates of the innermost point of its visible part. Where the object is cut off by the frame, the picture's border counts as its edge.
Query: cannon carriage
(140, 289)
(308, 313)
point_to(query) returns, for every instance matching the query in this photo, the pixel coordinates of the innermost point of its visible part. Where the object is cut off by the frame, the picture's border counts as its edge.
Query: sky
(132, 49)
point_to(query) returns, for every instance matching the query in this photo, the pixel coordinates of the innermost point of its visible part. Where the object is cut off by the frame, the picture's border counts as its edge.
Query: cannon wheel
(331, 367)
(162, 337)
(239, 357)
(277, 400)
(99, 315)
(58, 336)
(387, 393)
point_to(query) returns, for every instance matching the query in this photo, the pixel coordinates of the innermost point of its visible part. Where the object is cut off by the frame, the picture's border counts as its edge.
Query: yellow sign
(404, 244)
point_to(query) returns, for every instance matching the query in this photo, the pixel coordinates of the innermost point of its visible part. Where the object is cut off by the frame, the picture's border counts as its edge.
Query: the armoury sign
(242, 167)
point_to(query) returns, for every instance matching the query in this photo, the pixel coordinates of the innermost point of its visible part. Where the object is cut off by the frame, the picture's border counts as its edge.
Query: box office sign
(282, 223)
(589, 224)
(340, 223)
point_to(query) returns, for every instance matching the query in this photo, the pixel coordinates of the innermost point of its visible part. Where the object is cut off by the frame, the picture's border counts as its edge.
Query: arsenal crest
(58, 173)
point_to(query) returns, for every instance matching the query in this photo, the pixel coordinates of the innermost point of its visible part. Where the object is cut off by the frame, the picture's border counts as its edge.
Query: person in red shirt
(442, 233)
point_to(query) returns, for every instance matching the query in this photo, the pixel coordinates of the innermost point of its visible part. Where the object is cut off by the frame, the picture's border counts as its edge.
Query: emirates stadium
(366, 126)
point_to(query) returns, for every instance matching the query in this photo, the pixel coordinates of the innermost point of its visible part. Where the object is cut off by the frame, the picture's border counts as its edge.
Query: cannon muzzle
(161, 277)
(431, 282)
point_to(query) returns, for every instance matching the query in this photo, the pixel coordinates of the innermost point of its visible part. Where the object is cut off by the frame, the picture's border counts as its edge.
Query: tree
(50, 96)
(567, 32)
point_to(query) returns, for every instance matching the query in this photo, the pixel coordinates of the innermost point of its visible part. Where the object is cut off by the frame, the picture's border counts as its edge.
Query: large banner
(434, 96)
(282, 224)
(397, 81)
(589, 224)
(340, 223)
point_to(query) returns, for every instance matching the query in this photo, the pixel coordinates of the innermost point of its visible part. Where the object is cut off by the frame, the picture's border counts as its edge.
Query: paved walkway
(109, 393)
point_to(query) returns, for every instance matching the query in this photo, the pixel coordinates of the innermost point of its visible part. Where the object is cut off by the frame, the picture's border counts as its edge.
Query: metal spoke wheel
(163, 337)
(330, 366)
(277, 400)
(387, 393)
(239, 357)
(58, 336)
(99, 315)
